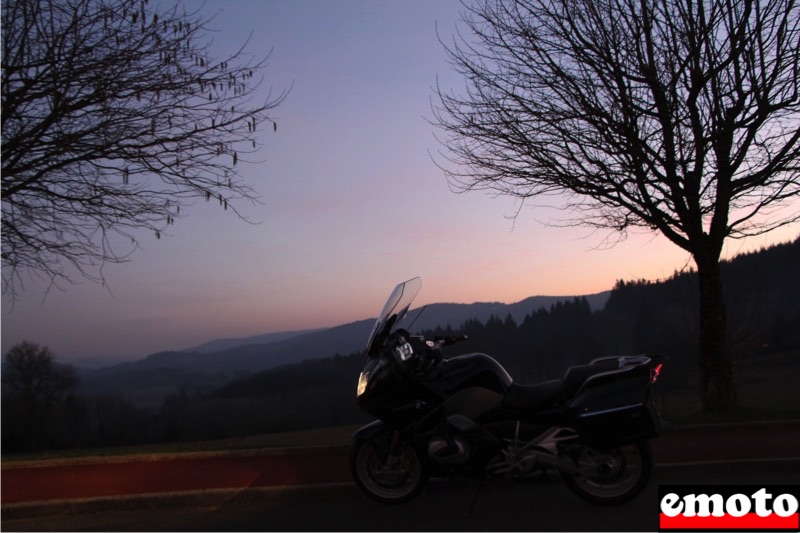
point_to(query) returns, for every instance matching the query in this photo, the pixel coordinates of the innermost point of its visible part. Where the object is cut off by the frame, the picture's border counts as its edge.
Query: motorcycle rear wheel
(611, 477)
(399, 478)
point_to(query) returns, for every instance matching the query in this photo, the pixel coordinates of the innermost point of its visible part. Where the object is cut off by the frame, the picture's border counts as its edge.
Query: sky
(352, 203)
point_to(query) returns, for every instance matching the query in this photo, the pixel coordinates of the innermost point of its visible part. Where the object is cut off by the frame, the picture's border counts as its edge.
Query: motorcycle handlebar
(449, 341)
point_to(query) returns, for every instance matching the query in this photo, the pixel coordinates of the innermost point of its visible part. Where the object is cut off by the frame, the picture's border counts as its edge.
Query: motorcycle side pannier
(615, 409)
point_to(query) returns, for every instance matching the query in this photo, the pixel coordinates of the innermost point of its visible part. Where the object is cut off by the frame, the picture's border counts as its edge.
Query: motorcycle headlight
(404, 352)
(363, 379)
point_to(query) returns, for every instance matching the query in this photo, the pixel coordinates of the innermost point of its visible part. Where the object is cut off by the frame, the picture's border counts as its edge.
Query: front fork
(384, 439)
(394, 441)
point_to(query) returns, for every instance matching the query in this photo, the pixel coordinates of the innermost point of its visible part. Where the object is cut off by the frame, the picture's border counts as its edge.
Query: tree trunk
(716, 367)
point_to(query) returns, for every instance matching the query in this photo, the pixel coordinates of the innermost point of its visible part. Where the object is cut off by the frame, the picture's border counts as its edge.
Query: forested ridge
(659, 317)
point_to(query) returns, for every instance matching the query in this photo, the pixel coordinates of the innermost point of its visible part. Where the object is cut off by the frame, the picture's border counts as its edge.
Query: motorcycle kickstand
(474, 500)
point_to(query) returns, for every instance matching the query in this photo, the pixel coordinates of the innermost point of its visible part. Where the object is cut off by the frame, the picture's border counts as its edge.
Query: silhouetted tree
(676, 116)
(33, 384)
(115, 114)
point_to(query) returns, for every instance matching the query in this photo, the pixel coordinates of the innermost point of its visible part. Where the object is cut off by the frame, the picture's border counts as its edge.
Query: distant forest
(763, 292)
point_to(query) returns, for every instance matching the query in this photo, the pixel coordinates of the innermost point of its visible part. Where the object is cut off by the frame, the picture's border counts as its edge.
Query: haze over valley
(147, 381)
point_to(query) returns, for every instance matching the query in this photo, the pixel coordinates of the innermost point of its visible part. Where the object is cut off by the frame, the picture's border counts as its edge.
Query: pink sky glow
(352, 204)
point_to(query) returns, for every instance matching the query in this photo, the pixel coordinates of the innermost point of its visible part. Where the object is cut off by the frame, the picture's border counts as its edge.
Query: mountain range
(146, 382)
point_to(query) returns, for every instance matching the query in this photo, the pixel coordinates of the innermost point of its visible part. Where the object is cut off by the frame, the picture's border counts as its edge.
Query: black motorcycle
(464, 415)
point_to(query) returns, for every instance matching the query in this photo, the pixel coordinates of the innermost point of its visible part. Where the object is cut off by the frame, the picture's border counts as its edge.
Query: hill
(220, 345)
(148, 381)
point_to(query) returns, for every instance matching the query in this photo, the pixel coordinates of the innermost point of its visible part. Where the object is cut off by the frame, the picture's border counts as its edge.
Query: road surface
(445, 506)
(313, 491)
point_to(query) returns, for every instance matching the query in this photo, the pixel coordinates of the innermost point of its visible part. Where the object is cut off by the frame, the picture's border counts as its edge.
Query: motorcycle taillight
(654, 372)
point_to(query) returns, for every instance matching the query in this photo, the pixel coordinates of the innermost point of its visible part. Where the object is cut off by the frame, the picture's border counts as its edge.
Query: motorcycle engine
(450, 449)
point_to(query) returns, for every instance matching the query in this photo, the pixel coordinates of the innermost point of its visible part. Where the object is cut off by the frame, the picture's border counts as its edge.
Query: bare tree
(33, 383)
(114, 115)
(677, 116)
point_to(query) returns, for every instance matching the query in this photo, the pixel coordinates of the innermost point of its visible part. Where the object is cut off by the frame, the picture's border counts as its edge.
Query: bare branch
(115, 114)
(665, 114)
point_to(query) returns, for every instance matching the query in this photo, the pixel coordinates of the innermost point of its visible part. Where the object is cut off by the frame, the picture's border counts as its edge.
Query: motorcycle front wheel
(395, 478)
(611, 477)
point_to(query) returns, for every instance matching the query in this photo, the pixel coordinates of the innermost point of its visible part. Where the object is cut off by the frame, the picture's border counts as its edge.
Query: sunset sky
(352, 204)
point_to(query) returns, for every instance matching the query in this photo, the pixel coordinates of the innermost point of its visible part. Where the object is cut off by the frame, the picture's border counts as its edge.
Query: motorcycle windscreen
(393, 311)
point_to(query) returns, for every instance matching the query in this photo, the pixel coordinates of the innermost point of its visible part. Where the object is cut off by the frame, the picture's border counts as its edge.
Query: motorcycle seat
(554, 392)
(538, 396)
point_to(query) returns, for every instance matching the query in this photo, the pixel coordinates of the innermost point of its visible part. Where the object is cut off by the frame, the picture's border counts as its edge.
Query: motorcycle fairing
(474, 370)
(472, 402)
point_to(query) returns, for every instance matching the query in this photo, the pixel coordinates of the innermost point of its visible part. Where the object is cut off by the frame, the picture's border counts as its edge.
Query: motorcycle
(443, 416)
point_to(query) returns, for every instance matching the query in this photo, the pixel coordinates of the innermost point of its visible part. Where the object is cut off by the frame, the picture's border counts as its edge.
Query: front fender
(369, 431)
(376, 433)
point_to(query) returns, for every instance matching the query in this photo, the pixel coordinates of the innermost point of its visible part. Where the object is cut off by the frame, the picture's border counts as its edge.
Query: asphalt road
(312, 491)
(118, 477)
(178, 473)
(545, 505)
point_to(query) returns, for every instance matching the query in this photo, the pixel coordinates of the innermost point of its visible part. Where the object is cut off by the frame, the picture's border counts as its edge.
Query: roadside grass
(767, 392)
(340, 436)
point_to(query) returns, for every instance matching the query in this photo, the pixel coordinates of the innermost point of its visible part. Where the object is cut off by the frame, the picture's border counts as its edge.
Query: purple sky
(352, 204)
